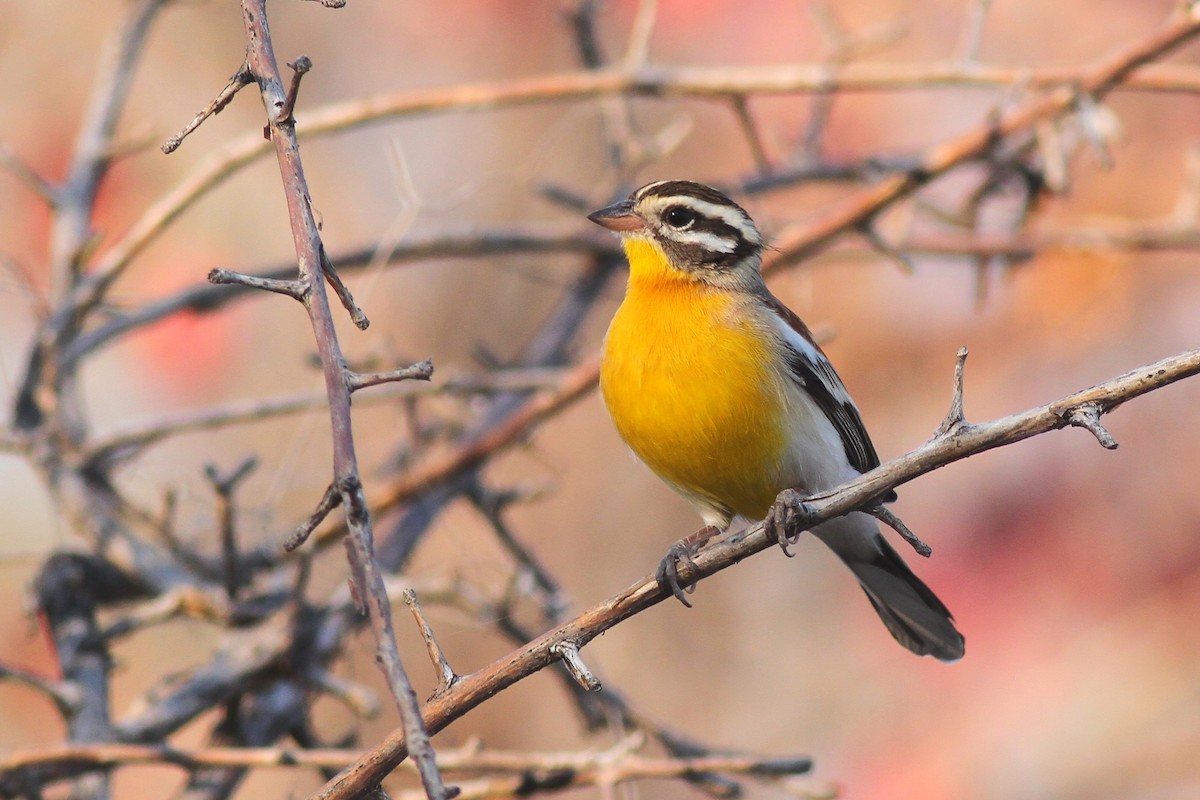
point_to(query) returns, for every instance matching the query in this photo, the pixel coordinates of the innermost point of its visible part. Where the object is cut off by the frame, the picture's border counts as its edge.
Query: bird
(721, 390)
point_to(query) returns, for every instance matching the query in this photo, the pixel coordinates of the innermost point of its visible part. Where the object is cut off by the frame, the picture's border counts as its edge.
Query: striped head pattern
(698, 228)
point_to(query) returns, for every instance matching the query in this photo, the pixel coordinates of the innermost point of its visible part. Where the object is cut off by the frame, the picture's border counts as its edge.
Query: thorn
(886, 516)
(293, 289)
(569, 653)
(241, 78)
(884, 247)
(335, 282)
(1088, 416)
(329, 501)
(299, 67)
(954, 417)
(447, 677)
(421, 371)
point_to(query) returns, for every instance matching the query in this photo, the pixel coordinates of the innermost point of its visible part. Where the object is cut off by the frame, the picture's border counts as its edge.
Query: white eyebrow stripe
(709, 241)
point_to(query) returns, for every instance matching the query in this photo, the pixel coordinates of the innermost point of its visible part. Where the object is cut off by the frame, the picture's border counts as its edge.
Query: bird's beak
(618, 217)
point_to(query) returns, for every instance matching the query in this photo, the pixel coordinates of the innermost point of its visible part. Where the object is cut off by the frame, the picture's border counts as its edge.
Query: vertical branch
(549, 345)
(973, 33)
(77, 195)
(69, 589)
(225, 486)
(71, 229)
(307, 241)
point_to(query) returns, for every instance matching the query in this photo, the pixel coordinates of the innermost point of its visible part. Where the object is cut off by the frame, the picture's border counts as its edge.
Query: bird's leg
(667, 573)
(788, 518)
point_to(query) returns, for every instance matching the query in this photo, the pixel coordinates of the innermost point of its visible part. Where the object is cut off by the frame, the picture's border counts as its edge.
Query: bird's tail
(909, 608)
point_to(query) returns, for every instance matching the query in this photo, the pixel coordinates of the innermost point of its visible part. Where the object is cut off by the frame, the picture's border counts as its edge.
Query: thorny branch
(944, 448)
(618, 764)
(655, 83)
(237, 81)
(278, 645)
(315, 269)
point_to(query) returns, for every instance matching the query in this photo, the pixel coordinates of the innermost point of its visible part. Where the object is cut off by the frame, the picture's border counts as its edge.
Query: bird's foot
(682, 552)
(787, 519)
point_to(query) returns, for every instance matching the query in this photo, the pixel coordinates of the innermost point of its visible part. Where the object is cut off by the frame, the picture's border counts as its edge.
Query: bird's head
(694, 229)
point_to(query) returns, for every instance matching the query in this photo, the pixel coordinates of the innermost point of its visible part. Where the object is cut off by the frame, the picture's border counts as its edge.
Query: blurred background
(1073, 572)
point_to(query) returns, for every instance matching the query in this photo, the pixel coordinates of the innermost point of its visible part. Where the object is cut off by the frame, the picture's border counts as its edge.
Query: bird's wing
(812, 370)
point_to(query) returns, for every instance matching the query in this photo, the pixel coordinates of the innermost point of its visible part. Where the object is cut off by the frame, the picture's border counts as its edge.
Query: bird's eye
(680, 217)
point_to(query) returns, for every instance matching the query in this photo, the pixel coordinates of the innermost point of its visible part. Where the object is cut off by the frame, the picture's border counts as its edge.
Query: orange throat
(687, 379)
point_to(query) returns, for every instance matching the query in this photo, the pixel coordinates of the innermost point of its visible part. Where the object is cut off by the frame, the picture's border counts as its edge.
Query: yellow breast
(687, 379)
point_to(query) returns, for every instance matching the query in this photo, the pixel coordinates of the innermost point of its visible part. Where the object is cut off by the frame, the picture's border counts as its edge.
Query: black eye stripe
(698, 225)
(717, 227)
(688, 251)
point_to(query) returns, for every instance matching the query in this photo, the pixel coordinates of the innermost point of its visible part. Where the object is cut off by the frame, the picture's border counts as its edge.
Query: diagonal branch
(92, 153)
(652, 82)
(861, 210)
(206, 297)
(964, 441)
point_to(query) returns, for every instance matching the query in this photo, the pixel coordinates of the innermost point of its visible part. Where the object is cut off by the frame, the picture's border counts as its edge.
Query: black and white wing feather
(812, 370)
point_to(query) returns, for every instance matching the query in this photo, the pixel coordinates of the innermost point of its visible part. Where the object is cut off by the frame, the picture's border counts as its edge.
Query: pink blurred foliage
(1074, 572)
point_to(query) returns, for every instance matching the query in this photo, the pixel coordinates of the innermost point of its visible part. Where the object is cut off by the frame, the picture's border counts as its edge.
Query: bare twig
(295, 289)
(577, 382)
(77, 194)
(472, 244)
(122, 443)
(64, 695)
(343, 292)
(881, 245)
(299, 68)
(492, 504)
(1087, 416)
(367, 579)
(620, 762)
(421, 371)
(954, 417)
(657, 82)
(889, 518)
(473, 689)
(845, 47)
(568, 651)
(356, 697)
(225, 485)
(238, 80)
(41, 187)
(750, 128)
(244, 656)
(637, 49)
(183, 601)
(445, 673)
(1096, 82)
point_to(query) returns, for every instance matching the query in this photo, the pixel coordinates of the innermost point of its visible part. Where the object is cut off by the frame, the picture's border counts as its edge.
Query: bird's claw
(787, 519)
(667, 573)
